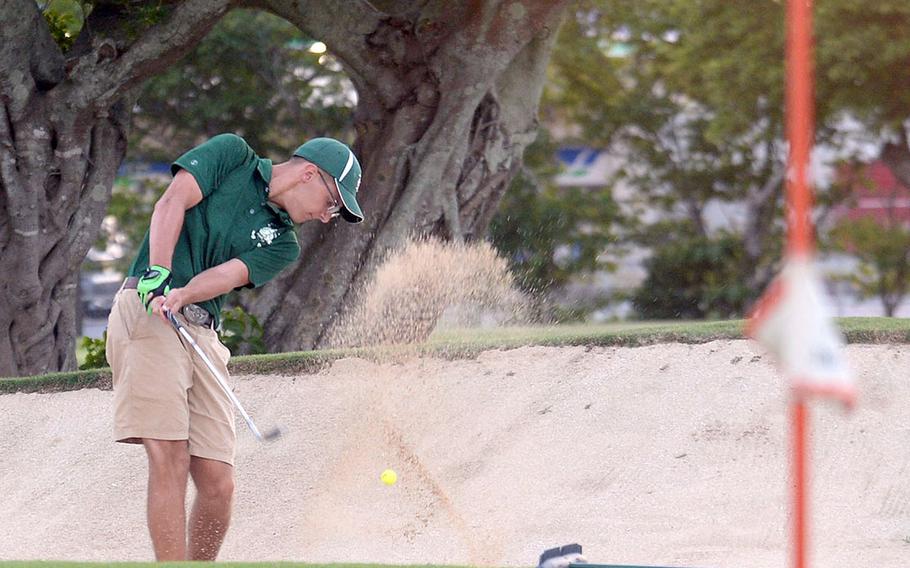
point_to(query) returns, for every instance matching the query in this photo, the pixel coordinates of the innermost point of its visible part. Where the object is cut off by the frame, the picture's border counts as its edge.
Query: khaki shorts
(162, 389)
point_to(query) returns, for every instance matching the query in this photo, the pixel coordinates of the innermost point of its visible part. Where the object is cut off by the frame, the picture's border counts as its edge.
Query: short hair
(297, 160)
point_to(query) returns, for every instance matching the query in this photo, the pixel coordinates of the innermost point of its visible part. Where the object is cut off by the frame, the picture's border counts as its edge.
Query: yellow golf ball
(389, 477)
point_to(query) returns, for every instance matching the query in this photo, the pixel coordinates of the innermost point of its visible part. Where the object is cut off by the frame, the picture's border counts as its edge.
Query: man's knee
(168, 456)
(217, 488)
(214, 479)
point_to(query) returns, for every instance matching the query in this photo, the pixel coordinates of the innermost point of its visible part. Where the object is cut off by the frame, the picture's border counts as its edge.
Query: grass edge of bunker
(469, 343)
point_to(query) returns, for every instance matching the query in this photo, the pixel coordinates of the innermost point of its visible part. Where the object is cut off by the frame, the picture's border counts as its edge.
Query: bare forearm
(167, 218)
(164, 230)
(212, 283)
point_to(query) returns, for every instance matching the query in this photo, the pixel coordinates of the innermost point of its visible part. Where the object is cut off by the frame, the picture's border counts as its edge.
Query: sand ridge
(667, 455)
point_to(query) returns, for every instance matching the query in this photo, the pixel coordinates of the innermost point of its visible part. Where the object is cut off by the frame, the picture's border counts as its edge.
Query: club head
(273, 435)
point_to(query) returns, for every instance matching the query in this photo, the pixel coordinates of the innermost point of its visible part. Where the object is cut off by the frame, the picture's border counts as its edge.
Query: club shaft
(221, 382)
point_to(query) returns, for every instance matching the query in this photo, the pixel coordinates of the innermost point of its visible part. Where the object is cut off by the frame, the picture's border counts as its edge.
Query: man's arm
(206, 285)
(167, 219)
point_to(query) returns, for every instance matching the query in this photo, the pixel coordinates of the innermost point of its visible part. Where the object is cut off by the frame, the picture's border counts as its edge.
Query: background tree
(447, 100)
(64, 119)
(694, 277)
(694, 102)
(883, 252)
(862, 56)
(691, 124)
(878, 240)
(735, 68)
(219, 86)
(254, 75)
(551, 234)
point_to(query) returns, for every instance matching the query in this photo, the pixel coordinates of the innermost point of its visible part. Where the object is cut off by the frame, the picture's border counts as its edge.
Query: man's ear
(309, 172)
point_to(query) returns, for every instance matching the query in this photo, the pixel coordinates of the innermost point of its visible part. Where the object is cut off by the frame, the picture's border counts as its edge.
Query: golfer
(225, 222)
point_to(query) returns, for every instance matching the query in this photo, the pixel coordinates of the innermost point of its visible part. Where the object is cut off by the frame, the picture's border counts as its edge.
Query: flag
(793, 321)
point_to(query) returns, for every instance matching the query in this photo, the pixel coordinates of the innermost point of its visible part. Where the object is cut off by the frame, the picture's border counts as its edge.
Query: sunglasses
(335, 209)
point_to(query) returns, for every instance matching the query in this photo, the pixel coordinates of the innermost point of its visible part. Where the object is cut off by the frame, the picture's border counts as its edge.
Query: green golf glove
(155, 282)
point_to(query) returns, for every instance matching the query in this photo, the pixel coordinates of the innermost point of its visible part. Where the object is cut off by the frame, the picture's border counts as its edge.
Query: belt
(193, 313)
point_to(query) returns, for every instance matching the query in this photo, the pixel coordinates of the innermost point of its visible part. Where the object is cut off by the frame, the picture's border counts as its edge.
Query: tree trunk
(63, 128)
(57, 173)
(890, 298)
(890, 305)
(761, 210)
(897, 157)
(448, 99)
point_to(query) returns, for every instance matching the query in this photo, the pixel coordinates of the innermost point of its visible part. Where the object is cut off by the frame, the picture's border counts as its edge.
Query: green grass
(625, 333)
(468, 343)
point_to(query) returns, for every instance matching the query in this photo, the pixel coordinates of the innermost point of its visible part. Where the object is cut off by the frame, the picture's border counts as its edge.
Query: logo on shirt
(264, 235)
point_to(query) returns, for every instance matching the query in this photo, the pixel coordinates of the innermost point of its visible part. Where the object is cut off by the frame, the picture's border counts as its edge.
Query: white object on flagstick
(793, 321)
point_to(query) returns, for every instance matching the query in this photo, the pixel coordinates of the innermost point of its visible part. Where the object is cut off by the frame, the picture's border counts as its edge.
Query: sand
(665, 455)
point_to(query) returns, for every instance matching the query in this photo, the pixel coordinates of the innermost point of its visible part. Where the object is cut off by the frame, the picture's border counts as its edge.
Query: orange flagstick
(800, 127)
(791, 319)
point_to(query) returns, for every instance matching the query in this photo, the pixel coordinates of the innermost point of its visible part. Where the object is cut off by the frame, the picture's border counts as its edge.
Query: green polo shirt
(233, 220)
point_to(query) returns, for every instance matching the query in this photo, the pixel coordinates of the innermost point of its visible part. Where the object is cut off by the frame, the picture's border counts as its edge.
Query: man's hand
(155, 282)
(206, 285)
(173, 302)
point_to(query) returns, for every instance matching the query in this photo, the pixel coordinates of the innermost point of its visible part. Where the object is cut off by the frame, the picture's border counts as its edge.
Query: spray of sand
(428, 283)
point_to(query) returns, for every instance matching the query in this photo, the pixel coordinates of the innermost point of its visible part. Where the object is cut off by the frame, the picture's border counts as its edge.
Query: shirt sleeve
(213, 160)
(265, 262)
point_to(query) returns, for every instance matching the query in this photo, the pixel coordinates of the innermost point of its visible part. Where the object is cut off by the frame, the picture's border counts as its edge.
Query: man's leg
(211, 514)
(169, 463)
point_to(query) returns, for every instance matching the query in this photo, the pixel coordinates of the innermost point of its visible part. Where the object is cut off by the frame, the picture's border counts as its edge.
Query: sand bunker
(666, 455)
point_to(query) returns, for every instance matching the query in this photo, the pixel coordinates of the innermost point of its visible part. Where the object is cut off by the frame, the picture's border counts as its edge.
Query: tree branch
(343, 30)
(101, 84)
(897, 157)
(771, 185)
(760, 204)
(108, 145)
(505, 28)
(516, 94)
(20, 201)
(9, 173)
(28, 55)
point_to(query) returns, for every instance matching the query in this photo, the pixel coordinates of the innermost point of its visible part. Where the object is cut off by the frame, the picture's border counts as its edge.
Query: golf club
(271, 435)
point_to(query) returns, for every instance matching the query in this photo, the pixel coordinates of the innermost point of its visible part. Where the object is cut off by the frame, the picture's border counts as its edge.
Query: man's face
(317, 197)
